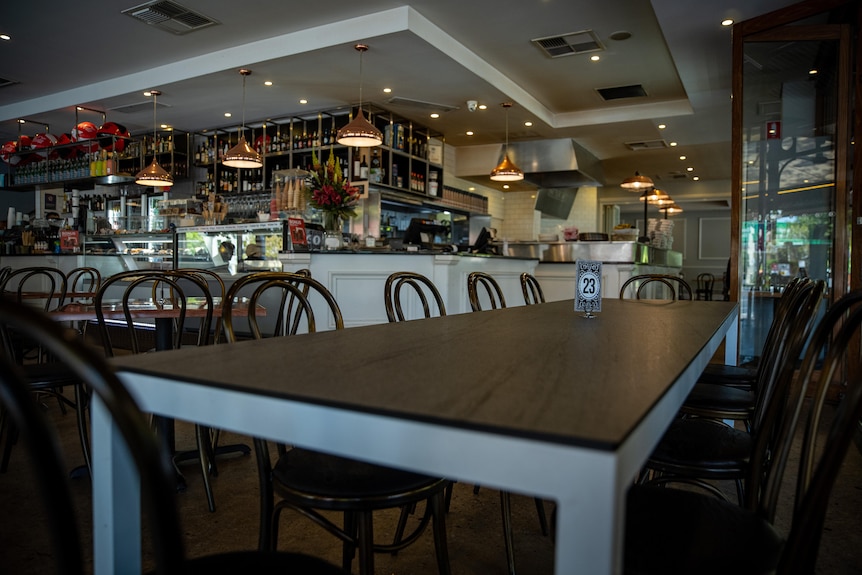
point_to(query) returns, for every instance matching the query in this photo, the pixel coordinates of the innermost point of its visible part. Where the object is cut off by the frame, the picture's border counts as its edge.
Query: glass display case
(115, 253)
(233, 248)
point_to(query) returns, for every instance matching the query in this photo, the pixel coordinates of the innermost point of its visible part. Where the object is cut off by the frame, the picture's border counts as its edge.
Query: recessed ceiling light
(268, 83)
(528, 123)
(387, 90)
(483, 106)
(689, 169)
(471, 189)
(5, 37)
(727, 22)
(469, 132)
(227, 114)
(812, 72)
(682, 157)
(662, 126)
(672, 144)
(505, 186)
(303, 101)
(696, 178)
(595, 58)
(435, 115)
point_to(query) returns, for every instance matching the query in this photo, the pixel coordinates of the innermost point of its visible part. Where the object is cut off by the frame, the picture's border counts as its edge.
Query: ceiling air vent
(569, 44)
(169, 16)
(620, 92)
(647, 145)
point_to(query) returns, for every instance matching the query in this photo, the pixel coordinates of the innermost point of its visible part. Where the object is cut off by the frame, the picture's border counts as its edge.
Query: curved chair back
(422, 287)
(293, 290)
(157, 479)
(206, 278)
(828, 351)
(705, 283)
(491, 288)
(36, 284)
(668, 285)
(40, 439)
(83, 280)
(531, 289)
(165, 292)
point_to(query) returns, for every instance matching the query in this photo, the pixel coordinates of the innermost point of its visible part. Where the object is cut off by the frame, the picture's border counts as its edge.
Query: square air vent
(647, 145)
(620, 92)
(569, 44)
(169, 16)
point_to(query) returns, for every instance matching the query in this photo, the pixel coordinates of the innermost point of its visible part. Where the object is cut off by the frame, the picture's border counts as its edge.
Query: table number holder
(588, 294)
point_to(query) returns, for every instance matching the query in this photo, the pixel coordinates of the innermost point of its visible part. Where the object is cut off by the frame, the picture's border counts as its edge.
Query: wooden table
(536, 400)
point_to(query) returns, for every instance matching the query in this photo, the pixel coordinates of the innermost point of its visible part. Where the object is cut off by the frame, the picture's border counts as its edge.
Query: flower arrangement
(329, 191)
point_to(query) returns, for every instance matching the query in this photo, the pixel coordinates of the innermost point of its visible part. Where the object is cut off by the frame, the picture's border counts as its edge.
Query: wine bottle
(363, 169)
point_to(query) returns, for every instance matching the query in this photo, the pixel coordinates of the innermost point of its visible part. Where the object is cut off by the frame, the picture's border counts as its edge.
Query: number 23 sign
(588, 298)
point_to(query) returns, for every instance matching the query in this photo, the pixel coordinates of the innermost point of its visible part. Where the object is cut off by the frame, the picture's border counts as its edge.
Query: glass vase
(333, 237)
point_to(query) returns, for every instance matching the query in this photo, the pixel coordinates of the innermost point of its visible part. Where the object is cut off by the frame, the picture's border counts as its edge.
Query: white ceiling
(444, 52)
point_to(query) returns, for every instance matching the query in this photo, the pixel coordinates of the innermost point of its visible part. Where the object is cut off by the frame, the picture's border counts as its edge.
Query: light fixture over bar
(154, 175)
(360, 133)
(507, 171)
(242, 155)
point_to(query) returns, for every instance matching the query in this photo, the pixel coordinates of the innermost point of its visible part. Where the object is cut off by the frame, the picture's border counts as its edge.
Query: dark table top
(543, 371)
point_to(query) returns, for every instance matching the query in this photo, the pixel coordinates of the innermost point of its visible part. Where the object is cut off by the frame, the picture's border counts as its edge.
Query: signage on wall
(773, 130)
(588, 297)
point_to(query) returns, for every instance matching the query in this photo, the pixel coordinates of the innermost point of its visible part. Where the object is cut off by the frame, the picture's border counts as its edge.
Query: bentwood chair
(673, 531)
(158, 499)
(730, 392)
(83, 280)
(745, 376)
(494, 292)
(670, 286)
(701, 450)
(489, 286)
(705, 284)
(422, 288)
(46, 287)
(531, 289)
(313, 483)
(136, 333)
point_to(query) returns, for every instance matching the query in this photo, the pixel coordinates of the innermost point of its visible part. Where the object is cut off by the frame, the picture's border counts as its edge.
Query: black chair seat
(734, 375)
(672, 531)
(721, 401)
(713, 448)
(335, 483)
(259, 563)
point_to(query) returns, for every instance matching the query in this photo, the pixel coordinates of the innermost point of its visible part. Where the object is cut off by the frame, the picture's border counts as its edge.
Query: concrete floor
(474, 528)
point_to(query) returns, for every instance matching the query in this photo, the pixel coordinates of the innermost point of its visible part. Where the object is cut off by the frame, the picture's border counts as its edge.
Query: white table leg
(116, 499)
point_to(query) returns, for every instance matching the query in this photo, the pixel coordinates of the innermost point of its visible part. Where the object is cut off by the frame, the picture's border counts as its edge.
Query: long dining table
(537, 400)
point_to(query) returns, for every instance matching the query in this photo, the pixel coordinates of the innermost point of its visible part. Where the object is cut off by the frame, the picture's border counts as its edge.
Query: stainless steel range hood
(560, 163)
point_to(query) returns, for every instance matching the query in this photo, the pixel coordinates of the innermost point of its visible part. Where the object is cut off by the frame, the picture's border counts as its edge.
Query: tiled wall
(513, 213)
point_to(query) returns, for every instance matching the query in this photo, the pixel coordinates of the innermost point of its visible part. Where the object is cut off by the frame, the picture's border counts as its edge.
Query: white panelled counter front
(620, 260)
(356, 279)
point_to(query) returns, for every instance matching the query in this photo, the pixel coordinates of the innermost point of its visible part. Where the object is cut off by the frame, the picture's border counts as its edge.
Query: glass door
(791, 102)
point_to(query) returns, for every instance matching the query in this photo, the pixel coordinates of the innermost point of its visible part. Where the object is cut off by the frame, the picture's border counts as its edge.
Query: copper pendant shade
(507, 171)
(637, 183)
(360, 133)
(242, 155)
(154, 174)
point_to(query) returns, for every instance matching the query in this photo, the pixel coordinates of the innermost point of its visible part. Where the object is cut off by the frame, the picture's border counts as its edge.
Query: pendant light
(657, 197)
(242, 155)
(154, 174)
(671, 210)
(360, 133)
(507, 171)
(637, 183)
